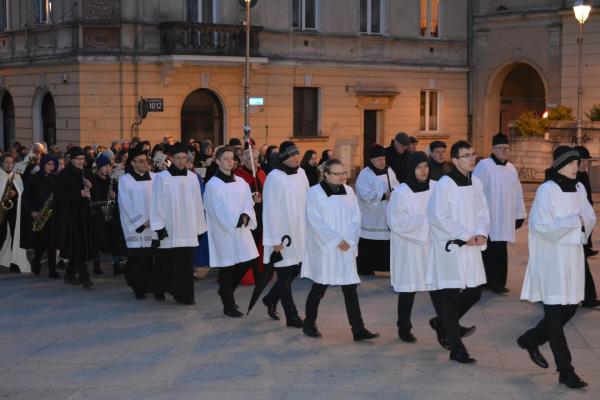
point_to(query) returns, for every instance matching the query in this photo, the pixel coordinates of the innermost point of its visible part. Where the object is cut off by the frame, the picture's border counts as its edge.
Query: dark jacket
(72, 216)
(109, 235)
(437, 170)
(397, 162)
(37, 190)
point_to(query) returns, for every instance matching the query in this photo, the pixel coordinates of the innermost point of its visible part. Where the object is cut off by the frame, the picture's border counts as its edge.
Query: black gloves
(242, 222)
(519, 223)
(162, 234)
(140, 229)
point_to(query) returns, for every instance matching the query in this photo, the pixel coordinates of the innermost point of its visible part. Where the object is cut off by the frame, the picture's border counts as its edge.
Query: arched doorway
(49, 120)
(522, 90)
(202, 117)
(513, 89)
(8, 121)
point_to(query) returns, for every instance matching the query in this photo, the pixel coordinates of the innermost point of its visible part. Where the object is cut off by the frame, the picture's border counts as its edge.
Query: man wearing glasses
(507, 210)
(458, 213)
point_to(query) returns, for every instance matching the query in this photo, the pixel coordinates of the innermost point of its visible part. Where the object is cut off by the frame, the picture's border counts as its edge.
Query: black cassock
(108, 236)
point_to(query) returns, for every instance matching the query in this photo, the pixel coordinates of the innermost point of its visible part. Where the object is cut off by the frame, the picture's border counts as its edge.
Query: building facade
(525, 57)
(338, 74)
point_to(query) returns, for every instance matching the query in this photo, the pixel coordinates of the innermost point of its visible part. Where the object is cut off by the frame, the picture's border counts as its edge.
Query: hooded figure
(407, 219)
(560, 223)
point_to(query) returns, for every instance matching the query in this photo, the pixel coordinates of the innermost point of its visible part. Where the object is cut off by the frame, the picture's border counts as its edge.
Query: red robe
(255, 186)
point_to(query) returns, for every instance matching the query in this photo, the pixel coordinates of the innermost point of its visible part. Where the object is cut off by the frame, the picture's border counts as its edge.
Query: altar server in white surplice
(504, 195)
(332, 232)
(457, 211)
(407, 219)
(231, 217)
(560, 223)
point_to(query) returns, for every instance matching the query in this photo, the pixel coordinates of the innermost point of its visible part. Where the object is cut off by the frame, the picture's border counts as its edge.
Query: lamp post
(247, 74)
(582, 12)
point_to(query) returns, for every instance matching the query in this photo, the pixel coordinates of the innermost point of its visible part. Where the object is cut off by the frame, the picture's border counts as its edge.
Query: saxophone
(6, 204)
(44, 214)
(108, 207)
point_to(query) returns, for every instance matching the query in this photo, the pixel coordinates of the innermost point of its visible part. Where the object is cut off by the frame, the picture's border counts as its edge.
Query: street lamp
(582, 12)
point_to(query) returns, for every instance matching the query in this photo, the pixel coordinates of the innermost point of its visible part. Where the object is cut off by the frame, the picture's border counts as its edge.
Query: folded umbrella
(261, 278)
(458, 242)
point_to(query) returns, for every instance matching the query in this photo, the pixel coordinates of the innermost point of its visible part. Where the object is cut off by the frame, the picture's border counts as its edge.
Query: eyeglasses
(468, 156)
(337, 173)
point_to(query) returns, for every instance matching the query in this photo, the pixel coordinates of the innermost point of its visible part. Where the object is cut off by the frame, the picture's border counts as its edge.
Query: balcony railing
(207, 39)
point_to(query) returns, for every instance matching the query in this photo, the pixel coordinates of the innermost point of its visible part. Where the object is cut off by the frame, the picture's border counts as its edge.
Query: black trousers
(454, 304)
(50, 254)
(317, 291)
(405, 305)
(282, 290)
(174, 273)
(373, 255)
(551, 329)
(229, 279)
(138, 270)
(495, 261)
(77, 267)
(590, 287)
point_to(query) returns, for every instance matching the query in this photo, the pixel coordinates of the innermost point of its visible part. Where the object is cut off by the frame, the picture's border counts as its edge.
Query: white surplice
(556, 267)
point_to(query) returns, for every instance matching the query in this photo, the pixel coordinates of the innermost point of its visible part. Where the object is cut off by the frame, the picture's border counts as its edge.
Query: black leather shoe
(435, 324)
(117, 269)
(572, 380)
(593, 253)
(36, 268)
(462, 356)
(97, 270)
(407, 337)
(311, 331)
(591, 304)
(295, 323)
(271, 309)
(70, 280)
(501, 290)
(186, 302)
(87, 284)
(159, 297)
(233, 313)
(53, 275)
(363, 334)
(534, 353)
(466, 331)
(14, 268)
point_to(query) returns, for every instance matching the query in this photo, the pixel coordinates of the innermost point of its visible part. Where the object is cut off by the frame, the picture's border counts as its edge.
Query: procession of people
(264, 215)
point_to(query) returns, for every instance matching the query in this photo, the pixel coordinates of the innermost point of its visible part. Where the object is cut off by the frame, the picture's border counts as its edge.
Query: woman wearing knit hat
(559, 225)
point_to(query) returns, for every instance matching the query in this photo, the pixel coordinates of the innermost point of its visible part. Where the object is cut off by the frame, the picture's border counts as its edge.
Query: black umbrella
(261, 278)
(458, 242)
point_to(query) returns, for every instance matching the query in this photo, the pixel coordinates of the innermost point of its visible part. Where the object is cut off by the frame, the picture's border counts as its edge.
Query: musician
(104, 219)
(134, 197)
(11, 253)
(72, 199)
(36, 205)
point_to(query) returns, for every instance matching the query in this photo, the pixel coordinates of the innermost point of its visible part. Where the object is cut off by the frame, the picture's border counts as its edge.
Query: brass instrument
(44, 214)
(7, 204)
(108, 208)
